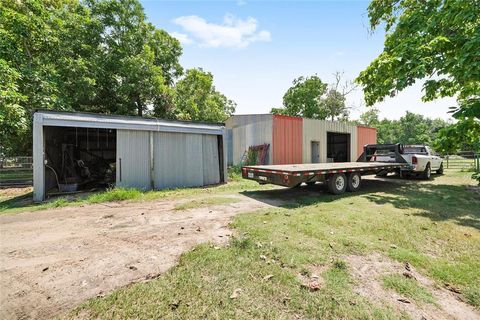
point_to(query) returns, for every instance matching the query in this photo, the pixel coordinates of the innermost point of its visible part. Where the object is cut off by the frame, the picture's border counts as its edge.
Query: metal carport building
(74, 151)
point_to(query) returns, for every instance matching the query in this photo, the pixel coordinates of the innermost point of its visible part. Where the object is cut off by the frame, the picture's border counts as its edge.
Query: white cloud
(241, 3)
(182, 37)
(232, 32)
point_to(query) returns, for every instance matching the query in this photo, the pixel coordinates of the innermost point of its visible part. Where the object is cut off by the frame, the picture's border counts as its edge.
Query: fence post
(447, 160)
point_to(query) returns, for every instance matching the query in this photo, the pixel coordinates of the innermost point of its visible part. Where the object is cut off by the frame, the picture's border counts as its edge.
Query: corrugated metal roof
(93, 120)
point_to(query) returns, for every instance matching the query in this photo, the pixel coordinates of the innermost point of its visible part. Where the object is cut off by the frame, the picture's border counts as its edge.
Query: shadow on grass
(23, 200)
(438, 202)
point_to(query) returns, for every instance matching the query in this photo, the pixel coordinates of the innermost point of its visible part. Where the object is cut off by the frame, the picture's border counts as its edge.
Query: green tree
(436, 40)
(137, 63)
(370, 118)
(463, 135)
(94, 55)
(12, 116)
(410, 129)
(197, 99)
(311, 98)
(303, 99)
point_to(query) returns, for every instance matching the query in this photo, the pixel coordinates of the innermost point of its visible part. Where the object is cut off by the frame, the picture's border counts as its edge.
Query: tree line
(96, 56)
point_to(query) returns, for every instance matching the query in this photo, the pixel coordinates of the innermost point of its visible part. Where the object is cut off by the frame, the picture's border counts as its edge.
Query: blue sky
(255, 49)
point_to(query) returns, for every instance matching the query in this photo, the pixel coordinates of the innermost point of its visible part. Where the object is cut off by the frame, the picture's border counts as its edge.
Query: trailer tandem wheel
(354, 182)
(337, 183)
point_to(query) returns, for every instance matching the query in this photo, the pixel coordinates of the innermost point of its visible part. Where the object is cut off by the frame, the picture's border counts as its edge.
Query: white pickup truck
(421, 160)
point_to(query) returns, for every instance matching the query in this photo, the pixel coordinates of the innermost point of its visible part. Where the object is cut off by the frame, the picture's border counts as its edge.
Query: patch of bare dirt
(368, 270)
(311, 278)
(51, 261)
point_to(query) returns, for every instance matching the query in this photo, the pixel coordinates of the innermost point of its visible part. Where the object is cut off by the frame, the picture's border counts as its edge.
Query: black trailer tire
(440, 170)
(354, 182)
(337, 183)
(427, 173)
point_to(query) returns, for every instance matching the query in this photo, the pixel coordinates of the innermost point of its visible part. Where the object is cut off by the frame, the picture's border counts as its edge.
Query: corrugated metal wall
(179, 159)
(316, 130)
(365, 135)
(211, 173)
(133, 159)
(246, 134)
(287, 140)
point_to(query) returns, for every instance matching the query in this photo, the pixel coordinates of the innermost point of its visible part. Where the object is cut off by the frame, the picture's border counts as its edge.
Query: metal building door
(133, 159)
(315, 147)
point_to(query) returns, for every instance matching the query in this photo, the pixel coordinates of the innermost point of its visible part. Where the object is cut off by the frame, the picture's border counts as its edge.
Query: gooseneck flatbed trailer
(338, 176)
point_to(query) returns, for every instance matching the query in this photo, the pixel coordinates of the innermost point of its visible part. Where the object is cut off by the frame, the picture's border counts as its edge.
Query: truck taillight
(414, 160)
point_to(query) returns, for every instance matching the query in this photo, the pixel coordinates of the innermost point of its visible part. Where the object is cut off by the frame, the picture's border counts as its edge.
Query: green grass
(16, 175)
(205, 279)
(408, 288)
(211, 201)
(115, 194)
(432, 225)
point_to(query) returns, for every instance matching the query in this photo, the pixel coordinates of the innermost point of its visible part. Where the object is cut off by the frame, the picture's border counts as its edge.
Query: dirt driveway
(50, 261)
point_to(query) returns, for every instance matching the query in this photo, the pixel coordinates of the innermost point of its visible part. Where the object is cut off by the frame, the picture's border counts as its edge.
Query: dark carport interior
(79, 158)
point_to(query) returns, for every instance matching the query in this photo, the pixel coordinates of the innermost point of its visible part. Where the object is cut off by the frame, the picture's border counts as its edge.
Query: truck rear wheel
(337, 183)
(440, 170)
(427, 173)
(354, 182)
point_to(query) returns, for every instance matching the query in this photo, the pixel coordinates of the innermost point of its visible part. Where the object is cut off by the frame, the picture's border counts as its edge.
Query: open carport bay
(76, 151)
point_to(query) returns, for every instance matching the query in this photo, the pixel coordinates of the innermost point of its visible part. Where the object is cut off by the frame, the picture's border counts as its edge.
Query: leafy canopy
(309, 97)
(197, 98)
(436, 40)
(412, 128)
(93, 55)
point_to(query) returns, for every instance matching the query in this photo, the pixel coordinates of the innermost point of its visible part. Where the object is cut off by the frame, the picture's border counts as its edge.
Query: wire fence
(463, 160)
(16, 171)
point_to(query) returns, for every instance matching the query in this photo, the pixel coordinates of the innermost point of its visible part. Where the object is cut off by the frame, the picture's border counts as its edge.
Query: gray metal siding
(211, 161)
(177, 160)
(247, 134)
(185, 160)
(316, 130)
(133, 159)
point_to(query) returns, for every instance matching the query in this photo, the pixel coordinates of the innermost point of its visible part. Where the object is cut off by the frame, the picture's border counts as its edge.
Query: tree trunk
(139, 107)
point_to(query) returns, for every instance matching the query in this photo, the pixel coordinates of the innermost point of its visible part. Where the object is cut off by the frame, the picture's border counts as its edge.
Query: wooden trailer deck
(325, 167)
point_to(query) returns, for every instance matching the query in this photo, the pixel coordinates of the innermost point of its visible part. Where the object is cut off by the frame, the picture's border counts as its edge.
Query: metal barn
(85, 151)
(296, 140)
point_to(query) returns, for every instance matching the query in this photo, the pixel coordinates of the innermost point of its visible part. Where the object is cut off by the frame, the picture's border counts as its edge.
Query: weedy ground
(290, 260)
